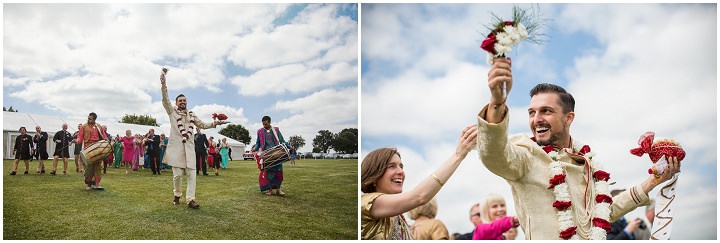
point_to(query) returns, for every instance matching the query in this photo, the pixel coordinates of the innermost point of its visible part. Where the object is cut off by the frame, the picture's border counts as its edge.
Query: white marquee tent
(12, 121)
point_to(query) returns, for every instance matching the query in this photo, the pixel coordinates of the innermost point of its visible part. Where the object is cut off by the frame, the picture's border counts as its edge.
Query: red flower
(508, 22)
(557, 180)
(548, 148)
(585, 149)
(560, 205)
(603, 198)
(601, 175)
(489, 44)
(567, 233)
(601, 223)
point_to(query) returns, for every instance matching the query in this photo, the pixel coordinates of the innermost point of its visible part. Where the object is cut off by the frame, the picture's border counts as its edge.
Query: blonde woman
(426, 227)
(383, 199)
(494, 217)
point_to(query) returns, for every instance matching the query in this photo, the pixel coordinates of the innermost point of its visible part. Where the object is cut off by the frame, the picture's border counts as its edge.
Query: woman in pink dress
(127, 144)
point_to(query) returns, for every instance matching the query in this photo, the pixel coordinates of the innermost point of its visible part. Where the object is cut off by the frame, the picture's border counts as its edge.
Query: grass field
(321, 203)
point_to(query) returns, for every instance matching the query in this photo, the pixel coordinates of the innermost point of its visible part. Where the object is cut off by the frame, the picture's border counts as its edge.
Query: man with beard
(180, 151)
(90, 133)
(559, 191)
(40, 139)
(62, 140)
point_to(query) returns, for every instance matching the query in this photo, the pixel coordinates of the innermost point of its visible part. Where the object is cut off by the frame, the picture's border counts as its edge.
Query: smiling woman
(383, 199)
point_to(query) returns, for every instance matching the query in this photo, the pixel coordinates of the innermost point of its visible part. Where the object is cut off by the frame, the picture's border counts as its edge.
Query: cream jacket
(525, 166)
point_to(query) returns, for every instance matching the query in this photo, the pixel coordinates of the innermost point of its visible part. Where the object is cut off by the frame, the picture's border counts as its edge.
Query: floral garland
(601, 214)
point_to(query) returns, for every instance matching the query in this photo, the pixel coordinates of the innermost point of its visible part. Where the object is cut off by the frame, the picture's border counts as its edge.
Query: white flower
(513, 33)
(598, 233)
(522, 31)
(601, 187)
(602, 210)
(504, 39)
(502, 50)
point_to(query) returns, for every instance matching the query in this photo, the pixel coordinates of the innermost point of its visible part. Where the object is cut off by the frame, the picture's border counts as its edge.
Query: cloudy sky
(632, 68)
(297, 63)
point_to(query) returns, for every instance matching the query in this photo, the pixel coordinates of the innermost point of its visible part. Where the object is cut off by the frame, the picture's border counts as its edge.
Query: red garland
(548, 148)
(603, 198)
(601, 223)
(557, 180)
(601, 175)
(567, 233)
(560, 205)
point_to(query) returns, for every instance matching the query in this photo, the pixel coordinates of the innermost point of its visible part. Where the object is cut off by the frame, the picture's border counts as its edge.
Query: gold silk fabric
(390, 228)
(432, 229)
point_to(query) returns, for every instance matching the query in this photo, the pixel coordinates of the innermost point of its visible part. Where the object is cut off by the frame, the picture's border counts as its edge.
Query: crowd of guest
(134, 152)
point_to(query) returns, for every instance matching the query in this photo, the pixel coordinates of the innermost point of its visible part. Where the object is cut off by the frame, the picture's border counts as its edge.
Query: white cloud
(294, 78)
(642, 76)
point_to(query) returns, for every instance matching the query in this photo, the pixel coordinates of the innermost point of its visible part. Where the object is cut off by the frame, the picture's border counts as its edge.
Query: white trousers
(177, 182)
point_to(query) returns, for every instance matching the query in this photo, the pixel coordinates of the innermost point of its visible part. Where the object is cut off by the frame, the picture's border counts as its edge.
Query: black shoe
(26, 172)
(192, 204)
(176, 201)
(42, 172)
(98, 188)
(217, 174)
(205, 174)
(13, 173)
(52, 172)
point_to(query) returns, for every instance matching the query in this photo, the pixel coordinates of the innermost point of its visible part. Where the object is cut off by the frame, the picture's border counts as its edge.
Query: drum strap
(275, 132)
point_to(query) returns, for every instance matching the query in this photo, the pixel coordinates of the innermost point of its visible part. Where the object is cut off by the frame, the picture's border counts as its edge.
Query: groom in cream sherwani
(525, 163)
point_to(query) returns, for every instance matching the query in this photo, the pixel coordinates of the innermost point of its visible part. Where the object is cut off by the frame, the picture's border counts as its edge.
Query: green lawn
(321, 203)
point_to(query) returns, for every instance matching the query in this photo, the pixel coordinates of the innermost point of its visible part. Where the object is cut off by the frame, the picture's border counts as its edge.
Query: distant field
(321, 203)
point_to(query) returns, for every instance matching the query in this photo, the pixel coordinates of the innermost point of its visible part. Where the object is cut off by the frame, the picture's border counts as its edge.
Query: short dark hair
(266, 118)
(566, 99)
(93, 115)
(180, 95)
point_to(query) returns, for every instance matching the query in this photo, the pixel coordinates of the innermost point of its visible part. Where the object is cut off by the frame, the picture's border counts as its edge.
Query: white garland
(562, 194)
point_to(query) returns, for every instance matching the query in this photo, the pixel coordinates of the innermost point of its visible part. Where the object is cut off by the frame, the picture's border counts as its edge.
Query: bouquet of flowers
(504, 34)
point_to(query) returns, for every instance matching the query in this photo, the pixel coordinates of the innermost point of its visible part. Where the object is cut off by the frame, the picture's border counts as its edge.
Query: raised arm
(395, 204)
(165, 100)
(500, 74)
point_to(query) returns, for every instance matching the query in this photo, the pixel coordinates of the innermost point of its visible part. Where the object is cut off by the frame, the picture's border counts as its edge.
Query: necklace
(563, 203)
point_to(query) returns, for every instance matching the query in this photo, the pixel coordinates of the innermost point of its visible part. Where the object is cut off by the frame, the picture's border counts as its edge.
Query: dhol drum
(96, 152)
(274, 156)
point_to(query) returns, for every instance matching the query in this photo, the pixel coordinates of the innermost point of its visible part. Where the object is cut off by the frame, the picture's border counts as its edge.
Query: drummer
(268, 137)
(89, 133)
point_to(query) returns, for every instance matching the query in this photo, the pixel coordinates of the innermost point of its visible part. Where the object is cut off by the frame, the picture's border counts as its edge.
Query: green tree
(298, 141)
(323, 140)
(237, 132)
(346, 141)
(140, 120)
(11, 109)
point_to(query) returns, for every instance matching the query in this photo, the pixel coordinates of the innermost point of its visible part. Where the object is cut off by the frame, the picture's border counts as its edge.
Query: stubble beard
(554, 139)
